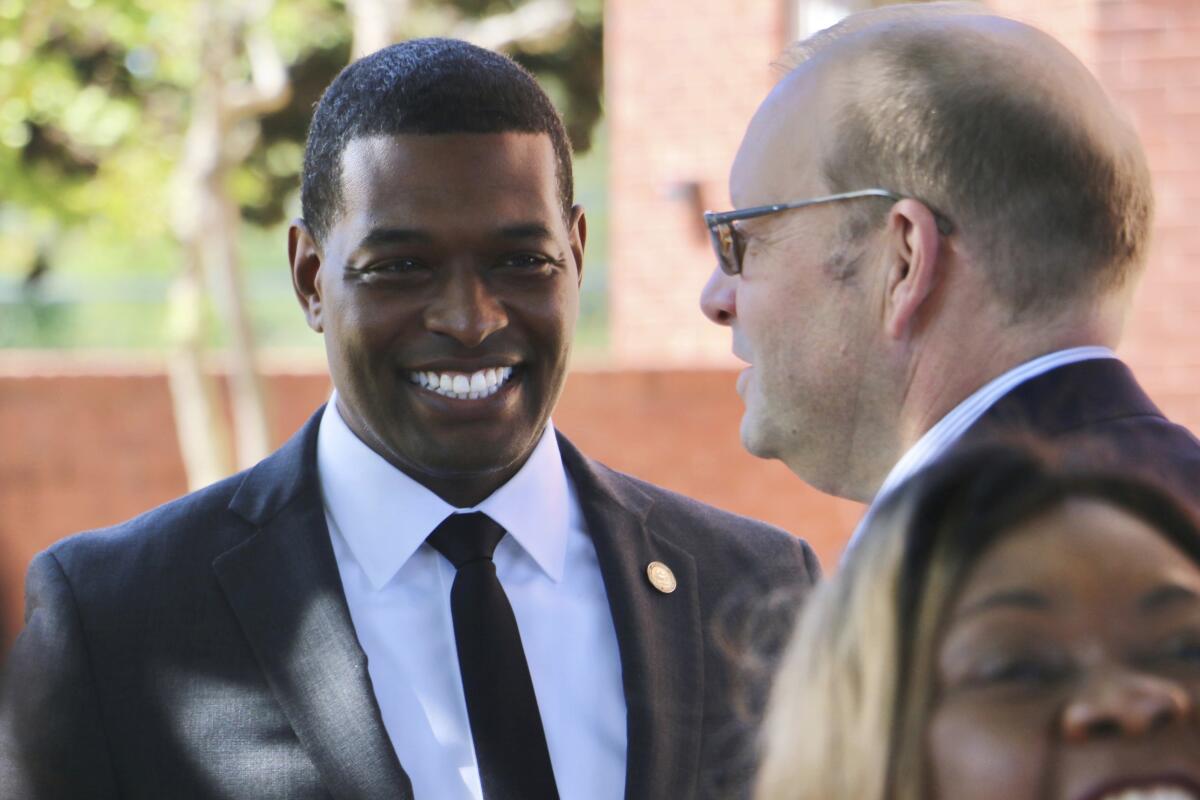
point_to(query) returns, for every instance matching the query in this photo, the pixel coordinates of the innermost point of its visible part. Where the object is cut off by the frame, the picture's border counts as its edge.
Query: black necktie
(506, 727)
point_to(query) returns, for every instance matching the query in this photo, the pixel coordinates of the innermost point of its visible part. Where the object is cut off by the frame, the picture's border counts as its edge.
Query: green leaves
(95, 100)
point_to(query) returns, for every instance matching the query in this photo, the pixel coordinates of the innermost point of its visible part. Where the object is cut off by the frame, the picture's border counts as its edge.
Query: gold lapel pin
(661, 577)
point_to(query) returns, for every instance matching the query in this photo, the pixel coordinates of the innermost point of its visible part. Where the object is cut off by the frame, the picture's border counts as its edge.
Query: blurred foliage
(94, 103)
(107, 292)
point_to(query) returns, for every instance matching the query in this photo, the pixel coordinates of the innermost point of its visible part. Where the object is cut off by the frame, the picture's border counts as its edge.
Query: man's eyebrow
(384, 236)
(1169, 594)
(525, 230)
(1027, 599)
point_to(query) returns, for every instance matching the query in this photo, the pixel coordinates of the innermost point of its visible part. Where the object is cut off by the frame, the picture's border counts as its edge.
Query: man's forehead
(786, 142)
(448, 153)
(497, 172)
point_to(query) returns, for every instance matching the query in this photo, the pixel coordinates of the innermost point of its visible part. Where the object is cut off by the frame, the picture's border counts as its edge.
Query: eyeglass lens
(725, 240)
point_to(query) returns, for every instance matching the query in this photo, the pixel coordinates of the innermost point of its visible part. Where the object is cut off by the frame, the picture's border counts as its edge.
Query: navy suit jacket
(1095, 411)
(205, 649)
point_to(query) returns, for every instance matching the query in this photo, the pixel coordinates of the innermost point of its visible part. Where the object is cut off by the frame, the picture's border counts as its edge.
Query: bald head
(991, 123)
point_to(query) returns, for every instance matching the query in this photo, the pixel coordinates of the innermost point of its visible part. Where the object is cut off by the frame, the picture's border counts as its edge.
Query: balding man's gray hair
(1050, 192)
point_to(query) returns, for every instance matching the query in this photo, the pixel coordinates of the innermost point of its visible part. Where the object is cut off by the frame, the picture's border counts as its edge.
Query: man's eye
(392, 268)
(397, 265)
(526, 261)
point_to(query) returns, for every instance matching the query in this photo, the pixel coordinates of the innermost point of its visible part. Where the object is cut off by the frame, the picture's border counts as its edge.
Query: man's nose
(1125, 702)
(466, 310)
(718, 296)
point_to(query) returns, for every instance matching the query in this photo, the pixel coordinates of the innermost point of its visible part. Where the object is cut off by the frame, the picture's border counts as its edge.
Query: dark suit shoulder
(197, 526)
(1094, 413)
(182, 537)
(1152, 447)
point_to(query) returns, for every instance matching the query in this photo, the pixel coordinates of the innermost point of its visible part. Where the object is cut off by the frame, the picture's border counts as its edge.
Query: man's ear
(915, 262)
(577, 235)
(305, 257)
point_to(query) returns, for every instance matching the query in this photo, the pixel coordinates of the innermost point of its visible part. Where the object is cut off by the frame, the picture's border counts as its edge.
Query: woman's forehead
(1082, 547)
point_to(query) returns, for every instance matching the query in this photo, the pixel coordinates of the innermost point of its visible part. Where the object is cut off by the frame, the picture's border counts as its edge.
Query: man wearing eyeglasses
(941, 218)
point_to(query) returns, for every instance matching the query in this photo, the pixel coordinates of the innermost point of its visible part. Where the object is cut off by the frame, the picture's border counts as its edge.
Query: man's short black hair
(423, 86)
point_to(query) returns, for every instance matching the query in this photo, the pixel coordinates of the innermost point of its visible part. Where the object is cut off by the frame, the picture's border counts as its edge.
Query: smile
(1162, 792)
(463, 385)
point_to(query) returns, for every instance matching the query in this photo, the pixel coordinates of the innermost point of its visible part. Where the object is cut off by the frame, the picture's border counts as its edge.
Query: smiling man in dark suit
(427, 592)
(941, 221)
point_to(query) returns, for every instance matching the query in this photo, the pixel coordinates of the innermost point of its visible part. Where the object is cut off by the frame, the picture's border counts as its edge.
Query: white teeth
(1153, 793)
(461, 386)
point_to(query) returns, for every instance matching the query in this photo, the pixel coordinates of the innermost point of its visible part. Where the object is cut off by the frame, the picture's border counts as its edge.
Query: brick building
(685, 77)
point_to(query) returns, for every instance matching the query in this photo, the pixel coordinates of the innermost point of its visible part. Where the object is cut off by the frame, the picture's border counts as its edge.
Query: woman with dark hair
(1005, 629)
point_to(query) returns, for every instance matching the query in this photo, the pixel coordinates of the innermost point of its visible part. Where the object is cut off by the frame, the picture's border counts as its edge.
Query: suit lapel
(283, 585)
(659, 635)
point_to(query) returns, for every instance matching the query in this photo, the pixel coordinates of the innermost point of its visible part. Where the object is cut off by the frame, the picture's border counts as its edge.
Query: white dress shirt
(398, 591)
(938, 439)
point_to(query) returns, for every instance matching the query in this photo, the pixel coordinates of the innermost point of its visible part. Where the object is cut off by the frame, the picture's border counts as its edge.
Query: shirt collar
(938, 439)
(534, 506)
(384, 515)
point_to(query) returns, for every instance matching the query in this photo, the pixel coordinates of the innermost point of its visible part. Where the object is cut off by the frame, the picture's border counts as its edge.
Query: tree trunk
(248, 398)
(376, 24)
(199, 422)
(206, 221)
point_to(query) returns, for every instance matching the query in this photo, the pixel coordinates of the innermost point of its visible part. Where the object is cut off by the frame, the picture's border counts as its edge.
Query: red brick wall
(81, 449)
(686, 75)
(683, 79)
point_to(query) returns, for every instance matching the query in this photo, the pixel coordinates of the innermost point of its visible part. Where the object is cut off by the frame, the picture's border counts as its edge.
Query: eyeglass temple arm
(944, 225)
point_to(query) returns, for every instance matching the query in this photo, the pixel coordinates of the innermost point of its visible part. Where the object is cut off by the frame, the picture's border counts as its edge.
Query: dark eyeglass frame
(728, 243)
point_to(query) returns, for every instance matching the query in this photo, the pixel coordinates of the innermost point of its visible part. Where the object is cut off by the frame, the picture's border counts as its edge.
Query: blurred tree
(205, 221)
(114, 111)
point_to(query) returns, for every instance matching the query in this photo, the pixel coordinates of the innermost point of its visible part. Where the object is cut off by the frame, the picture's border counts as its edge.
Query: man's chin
(466, 453)
(466, 460)
(462, 481)
(756, 440)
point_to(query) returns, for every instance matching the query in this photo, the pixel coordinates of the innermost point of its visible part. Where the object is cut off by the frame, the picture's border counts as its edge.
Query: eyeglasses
(729, 245)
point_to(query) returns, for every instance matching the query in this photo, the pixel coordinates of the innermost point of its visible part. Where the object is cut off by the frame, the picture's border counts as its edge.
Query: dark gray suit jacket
(205, 649)
(1094, 412)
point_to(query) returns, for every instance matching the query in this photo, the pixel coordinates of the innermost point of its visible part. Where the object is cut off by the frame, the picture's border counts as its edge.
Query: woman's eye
(1184, 647)
(1025, 671)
